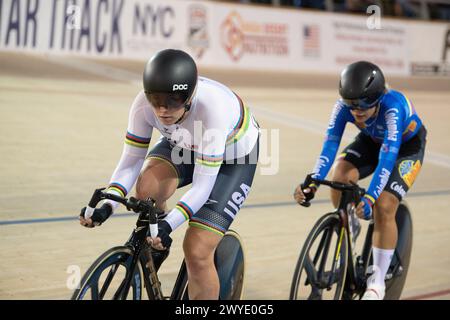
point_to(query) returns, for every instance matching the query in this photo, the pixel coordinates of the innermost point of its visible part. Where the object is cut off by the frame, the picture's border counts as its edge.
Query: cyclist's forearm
(126, 172)
(326, 158)
(336, 127)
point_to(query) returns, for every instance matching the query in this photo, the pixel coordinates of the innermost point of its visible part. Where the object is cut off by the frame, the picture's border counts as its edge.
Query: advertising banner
(430, 54)
(223, 35)
(100, 28)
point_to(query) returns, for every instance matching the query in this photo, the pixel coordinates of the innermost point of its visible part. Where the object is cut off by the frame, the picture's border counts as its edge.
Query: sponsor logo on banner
(431, 69)
(311, 40)
(408, 170)
(239, 37)
(82, 27)
(198, 39)
(353, 40)
(153, 27)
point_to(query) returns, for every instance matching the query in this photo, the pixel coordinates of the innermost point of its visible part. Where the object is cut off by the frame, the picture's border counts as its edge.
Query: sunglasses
(359, 104)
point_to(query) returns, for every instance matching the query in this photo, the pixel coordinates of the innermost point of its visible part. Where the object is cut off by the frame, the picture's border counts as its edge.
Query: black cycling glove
(310, 195)
(164, 231)
(100, 215)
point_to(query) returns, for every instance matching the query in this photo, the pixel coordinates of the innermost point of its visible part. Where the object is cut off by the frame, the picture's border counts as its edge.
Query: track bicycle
(124, 272)
(330, 267)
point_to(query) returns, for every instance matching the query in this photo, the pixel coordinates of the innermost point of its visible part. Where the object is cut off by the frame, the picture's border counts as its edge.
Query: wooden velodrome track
(62, 124)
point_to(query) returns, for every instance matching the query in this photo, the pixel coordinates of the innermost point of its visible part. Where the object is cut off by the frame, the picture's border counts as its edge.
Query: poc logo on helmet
(179, 87)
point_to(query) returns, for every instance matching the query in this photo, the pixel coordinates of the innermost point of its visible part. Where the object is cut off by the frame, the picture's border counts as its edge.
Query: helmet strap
(186, 109)
(377, 110)
(187, 106)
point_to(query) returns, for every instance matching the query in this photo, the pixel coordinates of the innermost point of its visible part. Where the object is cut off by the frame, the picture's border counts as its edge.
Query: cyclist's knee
(157, 180)
(386, 207)
(197, 263)
(344, 171)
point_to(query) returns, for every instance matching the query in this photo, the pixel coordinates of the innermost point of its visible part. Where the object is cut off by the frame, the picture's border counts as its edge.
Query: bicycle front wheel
(322, 266)
(105, 279)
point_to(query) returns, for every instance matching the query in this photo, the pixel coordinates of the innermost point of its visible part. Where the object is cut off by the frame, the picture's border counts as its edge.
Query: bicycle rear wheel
(398, 269)
(322, 265)
(104, 280)
(229, 259)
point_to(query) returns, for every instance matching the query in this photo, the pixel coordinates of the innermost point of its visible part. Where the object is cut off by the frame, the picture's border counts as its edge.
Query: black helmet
(362, 85)
(170, 78)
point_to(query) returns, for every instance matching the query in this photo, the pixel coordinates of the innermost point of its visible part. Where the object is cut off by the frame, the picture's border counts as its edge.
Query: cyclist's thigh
(232, 187)
(407, 166)
(344, 171)
(361, 154)
(163, 171)
(200, 243)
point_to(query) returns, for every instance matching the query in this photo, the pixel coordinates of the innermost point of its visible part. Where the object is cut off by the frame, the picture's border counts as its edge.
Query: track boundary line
(249, 206)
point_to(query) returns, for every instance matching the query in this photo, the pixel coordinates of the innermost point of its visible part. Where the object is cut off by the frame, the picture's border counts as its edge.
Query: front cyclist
(391, 144)
(209, 138)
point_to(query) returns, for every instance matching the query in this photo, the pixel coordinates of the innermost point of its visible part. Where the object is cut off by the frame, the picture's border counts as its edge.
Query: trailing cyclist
(209, 139)
(391, 145)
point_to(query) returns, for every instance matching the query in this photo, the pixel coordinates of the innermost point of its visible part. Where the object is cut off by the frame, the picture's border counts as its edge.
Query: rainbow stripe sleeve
(209, 161)
(241, 126)
(136, 141)
(118, 188)
(184, 209)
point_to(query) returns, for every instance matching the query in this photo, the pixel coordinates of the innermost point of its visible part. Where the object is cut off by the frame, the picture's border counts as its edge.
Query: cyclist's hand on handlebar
(364, 209)
(163, 240)
(98, 217)
(304, 194)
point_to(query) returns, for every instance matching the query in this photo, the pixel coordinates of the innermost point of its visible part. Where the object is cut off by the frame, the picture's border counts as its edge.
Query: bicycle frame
(135, 242)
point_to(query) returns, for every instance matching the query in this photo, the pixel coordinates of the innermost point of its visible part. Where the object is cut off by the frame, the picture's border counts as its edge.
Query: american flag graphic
(311, 40)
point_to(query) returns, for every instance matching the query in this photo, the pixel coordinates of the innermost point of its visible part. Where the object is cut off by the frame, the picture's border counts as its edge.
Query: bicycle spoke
(319, 248)
(310, 272)
(94, 292)
(118, 294)
(108, 280)
(323, 261)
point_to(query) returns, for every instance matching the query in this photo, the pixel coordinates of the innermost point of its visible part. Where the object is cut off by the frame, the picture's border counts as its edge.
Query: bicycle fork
(337, 253)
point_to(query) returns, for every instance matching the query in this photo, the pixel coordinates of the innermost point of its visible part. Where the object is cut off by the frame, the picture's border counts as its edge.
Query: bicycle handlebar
(358, 192)
(138, 206)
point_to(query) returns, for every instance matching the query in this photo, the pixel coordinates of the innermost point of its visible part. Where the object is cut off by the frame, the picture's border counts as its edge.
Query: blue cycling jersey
(395, 122)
